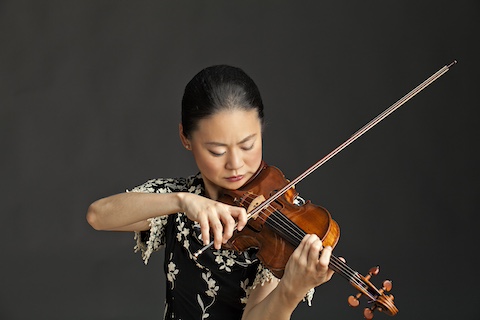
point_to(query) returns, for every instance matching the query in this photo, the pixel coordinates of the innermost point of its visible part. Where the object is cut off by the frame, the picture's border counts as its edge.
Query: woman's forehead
(228, 126)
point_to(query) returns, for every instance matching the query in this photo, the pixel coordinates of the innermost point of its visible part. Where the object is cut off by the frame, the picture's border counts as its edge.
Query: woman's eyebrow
(220, 144)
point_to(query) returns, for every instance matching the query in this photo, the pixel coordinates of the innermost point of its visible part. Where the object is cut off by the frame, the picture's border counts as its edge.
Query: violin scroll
(377, 297)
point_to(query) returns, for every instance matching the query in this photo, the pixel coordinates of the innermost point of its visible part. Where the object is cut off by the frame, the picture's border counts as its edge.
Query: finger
(309, 239)
(205, 229)
(312, 238)
(217, 229)
(241, 216)
(325, 257)
(228, 226)
(314, 250)
(298, 251)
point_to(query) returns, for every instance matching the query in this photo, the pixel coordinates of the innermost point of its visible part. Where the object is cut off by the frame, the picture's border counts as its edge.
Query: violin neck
(341, 268)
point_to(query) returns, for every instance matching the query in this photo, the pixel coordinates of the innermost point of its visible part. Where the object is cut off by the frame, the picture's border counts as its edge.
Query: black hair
(215, 89)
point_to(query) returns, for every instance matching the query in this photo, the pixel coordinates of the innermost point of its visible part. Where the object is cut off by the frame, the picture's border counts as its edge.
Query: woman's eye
(215, 154)
(248, 148)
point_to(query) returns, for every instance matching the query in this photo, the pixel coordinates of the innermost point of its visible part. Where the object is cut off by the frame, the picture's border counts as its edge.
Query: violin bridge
(255, 202)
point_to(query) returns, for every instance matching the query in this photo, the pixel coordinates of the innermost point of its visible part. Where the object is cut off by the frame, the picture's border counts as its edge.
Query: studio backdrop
(90, 96)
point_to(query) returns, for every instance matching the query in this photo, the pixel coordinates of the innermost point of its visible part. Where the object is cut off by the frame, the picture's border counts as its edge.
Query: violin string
(280, 223)
(289, 228)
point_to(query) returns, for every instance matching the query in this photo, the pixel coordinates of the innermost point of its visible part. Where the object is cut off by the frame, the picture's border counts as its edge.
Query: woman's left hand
(307, 267)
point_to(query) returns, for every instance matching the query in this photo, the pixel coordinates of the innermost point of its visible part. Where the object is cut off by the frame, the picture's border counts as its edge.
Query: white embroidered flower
(244, 286)
(172, 272)
(211, 283)
(183, 232)
(225, 259)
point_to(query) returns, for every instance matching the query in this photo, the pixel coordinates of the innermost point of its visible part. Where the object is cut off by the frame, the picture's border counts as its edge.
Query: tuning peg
(353, 300)
(378, 299)
(372, 272)
(387, 285)
(387, 300)
(368, 313)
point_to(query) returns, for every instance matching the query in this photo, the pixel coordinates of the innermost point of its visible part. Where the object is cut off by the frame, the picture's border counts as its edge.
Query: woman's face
(227, 148)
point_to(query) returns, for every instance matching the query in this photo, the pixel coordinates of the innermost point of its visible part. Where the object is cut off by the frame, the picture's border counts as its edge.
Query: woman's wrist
(290, 293)
(181, 198)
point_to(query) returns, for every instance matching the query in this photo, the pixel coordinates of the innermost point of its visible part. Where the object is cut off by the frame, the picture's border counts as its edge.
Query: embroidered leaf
(200, 302)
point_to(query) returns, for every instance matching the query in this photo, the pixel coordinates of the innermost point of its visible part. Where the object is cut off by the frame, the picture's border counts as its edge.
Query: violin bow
(354, 137)
(342, 146)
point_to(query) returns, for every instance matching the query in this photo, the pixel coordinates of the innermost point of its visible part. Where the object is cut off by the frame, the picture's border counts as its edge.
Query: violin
(278, 229)
(276, 225)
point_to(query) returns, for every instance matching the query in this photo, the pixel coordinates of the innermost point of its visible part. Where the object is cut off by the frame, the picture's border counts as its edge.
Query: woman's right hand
(219, 218)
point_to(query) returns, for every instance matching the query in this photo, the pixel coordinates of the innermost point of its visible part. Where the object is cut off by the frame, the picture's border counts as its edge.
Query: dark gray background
(90, 96)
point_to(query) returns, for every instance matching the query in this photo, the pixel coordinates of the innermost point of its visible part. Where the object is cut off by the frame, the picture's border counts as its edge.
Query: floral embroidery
(212, 285)
(183, 232)
(263, 276)
(225, 259)
(155, 240)
(221, 283)
(245, 287)
(211, 292)
(172, 271)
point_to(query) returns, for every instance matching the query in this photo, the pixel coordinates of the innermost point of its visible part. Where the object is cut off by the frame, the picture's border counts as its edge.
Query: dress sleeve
(262, 276)
(154, 239)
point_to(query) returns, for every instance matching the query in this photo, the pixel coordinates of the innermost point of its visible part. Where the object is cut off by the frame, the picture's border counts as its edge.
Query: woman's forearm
(279, 304)
(130, 211)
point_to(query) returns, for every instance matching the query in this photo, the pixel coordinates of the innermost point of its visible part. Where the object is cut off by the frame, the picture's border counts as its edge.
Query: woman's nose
(234, 160)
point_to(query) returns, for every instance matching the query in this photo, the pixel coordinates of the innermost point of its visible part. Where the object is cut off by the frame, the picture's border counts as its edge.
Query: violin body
(279, 229)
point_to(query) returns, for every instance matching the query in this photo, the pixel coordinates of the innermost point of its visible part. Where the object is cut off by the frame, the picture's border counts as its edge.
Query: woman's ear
(185, 141)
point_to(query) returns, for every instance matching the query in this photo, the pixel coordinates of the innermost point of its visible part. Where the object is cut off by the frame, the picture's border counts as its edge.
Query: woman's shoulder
(193, 184)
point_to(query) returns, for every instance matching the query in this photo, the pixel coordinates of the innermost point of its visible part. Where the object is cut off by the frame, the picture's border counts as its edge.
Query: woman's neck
(211, 191)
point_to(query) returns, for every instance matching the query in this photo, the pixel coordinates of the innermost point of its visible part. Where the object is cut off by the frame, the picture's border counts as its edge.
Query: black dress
(217, 285)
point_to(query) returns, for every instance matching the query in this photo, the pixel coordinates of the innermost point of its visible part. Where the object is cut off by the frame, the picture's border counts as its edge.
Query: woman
(222, 119)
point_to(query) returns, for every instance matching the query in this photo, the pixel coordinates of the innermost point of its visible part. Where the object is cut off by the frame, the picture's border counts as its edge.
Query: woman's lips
(234, 178)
